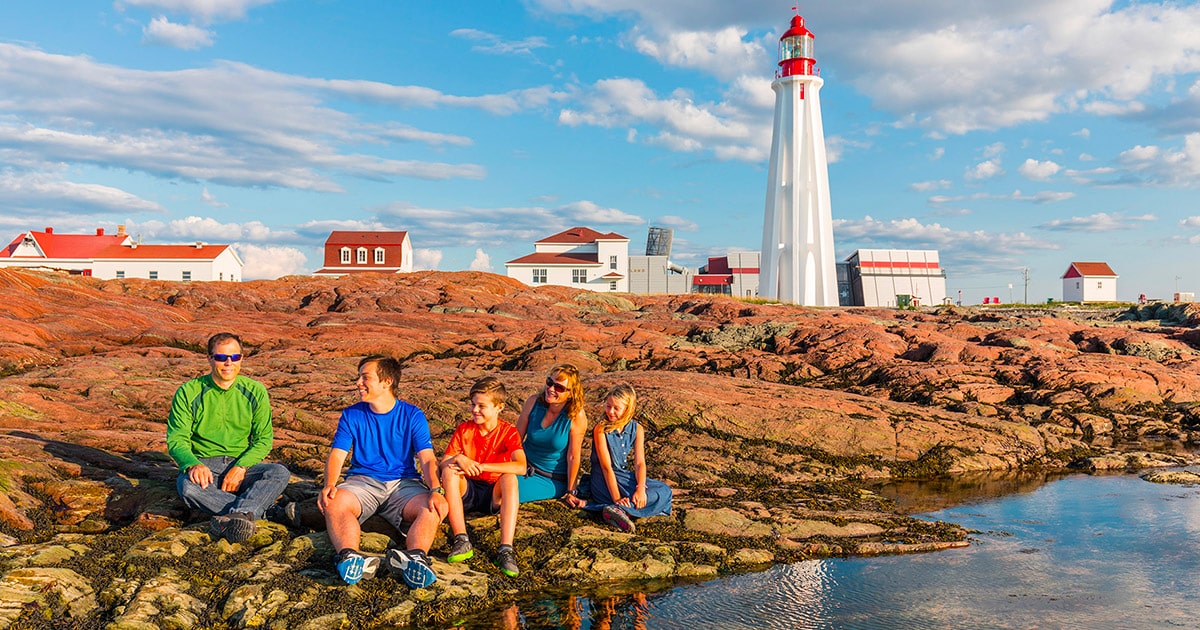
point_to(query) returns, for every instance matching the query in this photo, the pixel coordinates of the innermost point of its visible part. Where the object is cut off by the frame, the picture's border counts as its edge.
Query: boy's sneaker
(507, 561)
(287, 514)
(410, 566)
(351, 566)
(236, 527)
(617, 517)
(460, 549)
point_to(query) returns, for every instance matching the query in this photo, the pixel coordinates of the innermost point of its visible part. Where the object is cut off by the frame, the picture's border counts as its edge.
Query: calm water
(1075, 552)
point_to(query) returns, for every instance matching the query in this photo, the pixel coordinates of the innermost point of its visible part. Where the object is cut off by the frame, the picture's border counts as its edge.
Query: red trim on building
(711, 280)
(885, 264)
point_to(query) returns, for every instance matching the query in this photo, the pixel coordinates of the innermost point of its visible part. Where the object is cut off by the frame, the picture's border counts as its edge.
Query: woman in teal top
(552, 426)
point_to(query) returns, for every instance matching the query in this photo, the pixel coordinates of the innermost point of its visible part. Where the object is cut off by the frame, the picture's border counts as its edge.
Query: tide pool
(1073, 552)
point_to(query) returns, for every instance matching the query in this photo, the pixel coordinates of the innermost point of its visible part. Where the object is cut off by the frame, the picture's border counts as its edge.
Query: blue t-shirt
(383, 445)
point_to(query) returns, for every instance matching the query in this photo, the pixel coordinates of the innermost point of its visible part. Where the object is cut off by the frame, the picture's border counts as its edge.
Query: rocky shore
(768, 420)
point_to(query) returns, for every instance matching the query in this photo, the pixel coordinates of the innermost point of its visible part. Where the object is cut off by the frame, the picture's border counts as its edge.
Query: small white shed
(1089, 282)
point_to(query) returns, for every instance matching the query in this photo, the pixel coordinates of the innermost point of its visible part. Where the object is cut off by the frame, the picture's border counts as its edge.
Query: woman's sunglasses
(557, 388)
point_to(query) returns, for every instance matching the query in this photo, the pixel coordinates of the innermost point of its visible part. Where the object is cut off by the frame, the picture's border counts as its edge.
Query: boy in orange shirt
(479, 472)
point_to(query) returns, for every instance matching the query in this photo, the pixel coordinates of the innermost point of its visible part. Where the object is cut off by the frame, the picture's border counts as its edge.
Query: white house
(1089, 282)
(578, 257)
(356, 252)
(111, 256)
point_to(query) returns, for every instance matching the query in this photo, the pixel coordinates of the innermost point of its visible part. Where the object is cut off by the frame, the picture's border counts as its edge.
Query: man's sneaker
(617, 517)
(460, 549)
(371, 566)
(287, 514)
(236, 527)
(351, 566)
(507, 561)
(412, 568)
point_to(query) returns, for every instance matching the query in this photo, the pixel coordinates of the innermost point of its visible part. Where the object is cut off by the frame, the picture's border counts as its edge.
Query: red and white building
(579, 257)
(735, 274)
(1089, 282)
(358, 252)
(113, 256)
(894, 277)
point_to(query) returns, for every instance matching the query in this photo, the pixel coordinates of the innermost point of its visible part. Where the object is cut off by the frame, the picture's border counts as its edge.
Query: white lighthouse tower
(797, 253)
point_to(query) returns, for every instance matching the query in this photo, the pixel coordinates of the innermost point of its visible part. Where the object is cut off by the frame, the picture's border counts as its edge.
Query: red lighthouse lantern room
(796, 50)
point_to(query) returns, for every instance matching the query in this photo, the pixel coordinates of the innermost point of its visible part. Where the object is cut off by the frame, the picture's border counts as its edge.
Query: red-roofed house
(578, 257)
(357, 252)
(1089, 282)
(111, 256)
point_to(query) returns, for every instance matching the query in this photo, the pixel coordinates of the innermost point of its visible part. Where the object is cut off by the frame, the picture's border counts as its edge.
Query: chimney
(99, 231)
(120, 230)
(49, 230)
(199, 244)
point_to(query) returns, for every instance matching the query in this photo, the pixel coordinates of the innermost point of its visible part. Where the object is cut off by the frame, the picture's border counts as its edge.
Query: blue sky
(1008, 136)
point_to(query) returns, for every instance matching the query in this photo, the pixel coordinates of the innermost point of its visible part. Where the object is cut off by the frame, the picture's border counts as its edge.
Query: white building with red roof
(1089, 282)
(579, 257)
(112, 256)
(349, 251)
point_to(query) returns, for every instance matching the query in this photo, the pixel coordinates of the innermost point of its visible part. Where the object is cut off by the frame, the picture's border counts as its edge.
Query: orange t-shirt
(496, 447)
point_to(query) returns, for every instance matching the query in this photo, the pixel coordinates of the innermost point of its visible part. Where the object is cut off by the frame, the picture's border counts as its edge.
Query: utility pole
(1025, 273)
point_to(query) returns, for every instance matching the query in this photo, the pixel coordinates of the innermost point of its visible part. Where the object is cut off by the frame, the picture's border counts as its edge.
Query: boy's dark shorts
(478, 497)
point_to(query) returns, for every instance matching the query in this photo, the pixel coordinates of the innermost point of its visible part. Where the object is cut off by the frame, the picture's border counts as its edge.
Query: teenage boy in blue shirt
(384, 434)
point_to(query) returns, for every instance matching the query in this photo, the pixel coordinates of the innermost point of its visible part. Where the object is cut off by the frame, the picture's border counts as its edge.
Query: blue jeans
(261, 487)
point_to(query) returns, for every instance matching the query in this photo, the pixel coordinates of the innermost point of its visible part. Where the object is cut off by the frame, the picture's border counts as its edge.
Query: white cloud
(1038, 171)
(966, 251)
(493, 44)
(209, 199)
(50, 192)
(162, 32)
(929, 185)
(426, 259)
(723, 53)
(1099, 222)
(984, 170)
(677, 223)
(204, 11)
(207, 229)
(269, 262)
(481, 262)
(1155, 166)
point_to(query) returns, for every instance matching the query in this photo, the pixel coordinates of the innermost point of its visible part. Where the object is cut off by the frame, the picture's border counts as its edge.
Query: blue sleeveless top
(546, 448)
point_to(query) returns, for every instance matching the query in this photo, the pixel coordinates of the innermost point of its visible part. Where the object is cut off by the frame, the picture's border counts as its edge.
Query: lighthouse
(797, 263)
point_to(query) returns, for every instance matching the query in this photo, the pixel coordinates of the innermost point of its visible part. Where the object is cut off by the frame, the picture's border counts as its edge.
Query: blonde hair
(574, 385)
(623, 393)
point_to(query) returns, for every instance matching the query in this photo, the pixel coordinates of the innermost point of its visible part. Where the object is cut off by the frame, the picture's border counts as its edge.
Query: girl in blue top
(621, 494)
(552, 426)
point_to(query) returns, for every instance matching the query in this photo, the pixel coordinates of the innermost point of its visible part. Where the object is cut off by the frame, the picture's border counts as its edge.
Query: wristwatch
(439, 490)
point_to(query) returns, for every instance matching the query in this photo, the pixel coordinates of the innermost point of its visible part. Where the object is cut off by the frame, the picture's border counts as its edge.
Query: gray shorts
(392, 496)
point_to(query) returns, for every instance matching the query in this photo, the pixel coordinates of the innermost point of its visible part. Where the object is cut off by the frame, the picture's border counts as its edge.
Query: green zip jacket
(207, 421)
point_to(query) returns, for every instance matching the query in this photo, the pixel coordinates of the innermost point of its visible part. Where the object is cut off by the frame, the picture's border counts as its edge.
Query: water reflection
(1081, 551)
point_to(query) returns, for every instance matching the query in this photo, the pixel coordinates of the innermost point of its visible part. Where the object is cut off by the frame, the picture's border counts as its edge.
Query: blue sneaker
(350, 565)
(411, 567)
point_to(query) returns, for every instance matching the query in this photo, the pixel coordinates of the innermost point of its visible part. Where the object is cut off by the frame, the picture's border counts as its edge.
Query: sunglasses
(221, 358)
(557, 388)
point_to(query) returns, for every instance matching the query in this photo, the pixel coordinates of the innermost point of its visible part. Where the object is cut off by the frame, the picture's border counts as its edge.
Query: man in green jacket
(218, 433)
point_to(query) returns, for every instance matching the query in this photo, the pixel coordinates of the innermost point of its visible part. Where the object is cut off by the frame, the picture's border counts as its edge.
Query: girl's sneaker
(617, 517)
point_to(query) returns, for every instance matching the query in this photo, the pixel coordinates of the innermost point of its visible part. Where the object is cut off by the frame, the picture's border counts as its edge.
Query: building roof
(553, 258)
(53, 245)
(1089, 269)
(348, 237)
(577, 235)
(101, 246)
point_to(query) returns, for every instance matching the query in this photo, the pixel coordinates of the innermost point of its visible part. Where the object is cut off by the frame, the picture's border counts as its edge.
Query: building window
(154, 275)
(345, 255)
(120, 274)
(1099, 285)
(378, 255)
(539, 276)
(612, 286)
(221, 276)
(612, 262)
(362, 255)
(1076, 284)
(579, 276)
(187, 276)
